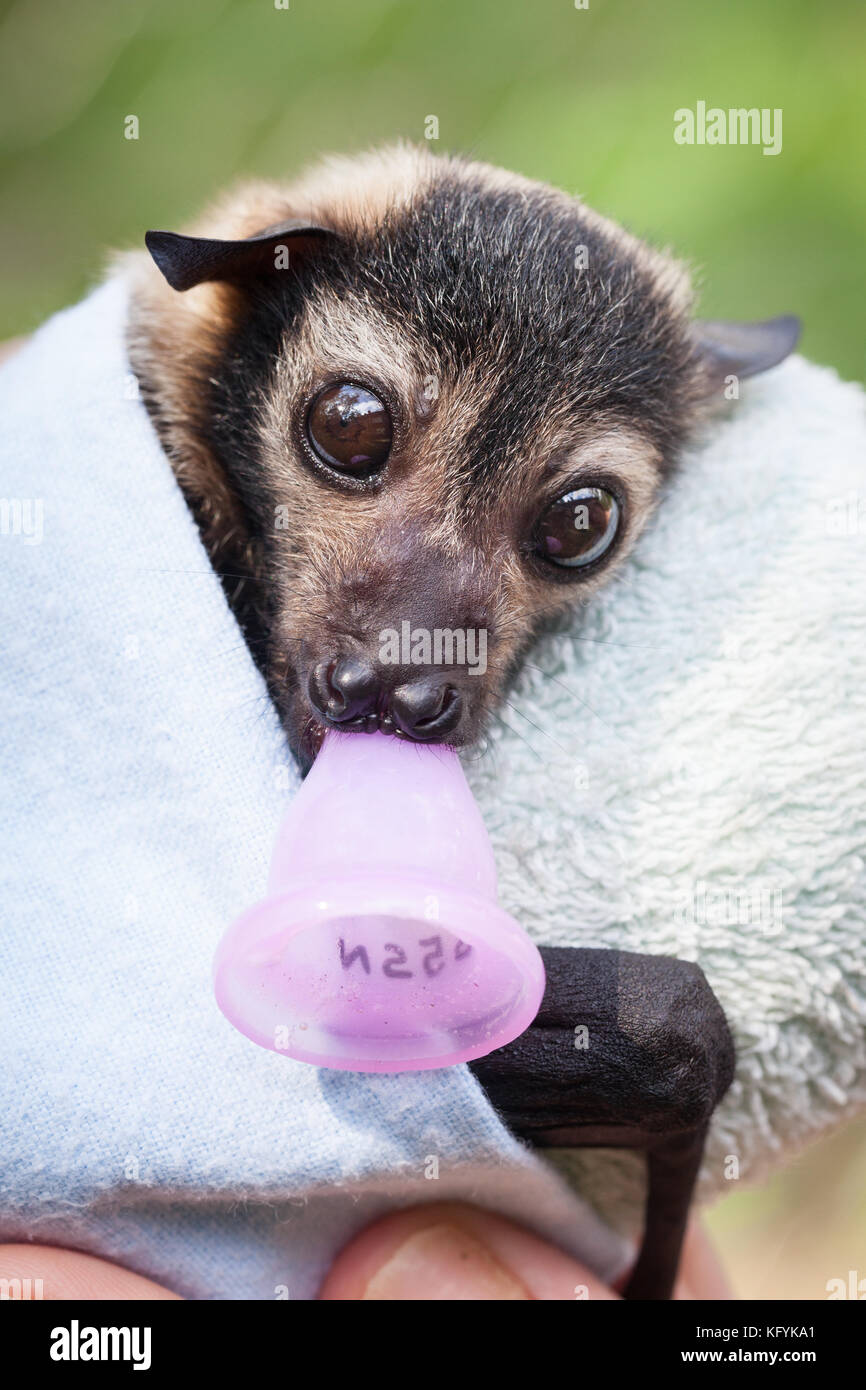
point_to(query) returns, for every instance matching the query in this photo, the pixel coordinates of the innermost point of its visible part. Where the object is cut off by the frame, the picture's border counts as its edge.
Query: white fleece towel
(685, 774)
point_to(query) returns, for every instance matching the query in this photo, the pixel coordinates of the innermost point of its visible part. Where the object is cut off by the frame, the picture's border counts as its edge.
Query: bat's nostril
(426, 710)
(343, 689)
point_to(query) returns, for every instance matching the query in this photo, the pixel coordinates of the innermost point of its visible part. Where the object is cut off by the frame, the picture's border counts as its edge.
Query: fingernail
(443, 1263)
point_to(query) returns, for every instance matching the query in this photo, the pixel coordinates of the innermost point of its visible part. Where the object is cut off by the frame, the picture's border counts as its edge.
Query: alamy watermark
(745, 905)
(23, 516)
(853, 1287)
(25, 1290)
(77, 1343)
(846, 515)
(438, 646)
(737, 126)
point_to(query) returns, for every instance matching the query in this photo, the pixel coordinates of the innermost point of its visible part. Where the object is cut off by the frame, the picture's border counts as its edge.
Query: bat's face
(433, 412)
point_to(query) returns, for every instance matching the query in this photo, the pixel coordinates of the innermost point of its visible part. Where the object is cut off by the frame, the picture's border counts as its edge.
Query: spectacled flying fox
(420, 394)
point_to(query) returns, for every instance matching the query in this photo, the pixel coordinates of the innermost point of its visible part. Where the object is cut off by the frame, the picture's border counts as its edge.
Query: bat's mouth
(382, 720)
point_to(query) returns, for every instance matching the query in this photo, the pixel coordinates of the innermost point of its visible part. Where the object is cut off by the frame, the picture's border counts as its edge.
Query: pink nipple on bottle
(380, 946)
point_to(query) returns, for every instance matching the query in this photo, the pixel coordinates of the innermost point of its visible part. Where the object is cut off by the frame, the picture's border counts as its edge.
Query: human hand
(437, 1253)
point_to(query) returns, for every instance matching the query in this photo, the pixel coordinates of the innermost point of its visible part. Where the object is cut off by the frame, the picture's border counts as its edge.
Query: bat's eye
(578, 528)
(350, 429)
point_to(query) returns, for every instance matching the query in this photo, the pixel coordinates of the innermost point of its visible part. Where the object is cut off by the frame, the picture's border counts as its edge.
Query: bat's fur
(456, 293)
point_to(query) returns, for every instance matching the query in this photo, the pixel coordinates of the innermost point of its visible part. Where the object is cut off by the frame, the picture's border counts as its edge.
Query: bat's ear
(743, 349)
(188, 260)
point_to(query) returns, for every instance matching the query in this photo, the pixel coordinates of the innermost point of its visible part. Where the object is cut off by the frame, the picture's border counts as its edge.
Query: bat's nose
(349, 692)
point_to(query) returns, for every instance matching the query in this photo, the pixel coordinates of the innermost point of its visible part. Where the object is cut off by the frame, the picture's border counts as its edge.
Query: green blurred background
(583, 98)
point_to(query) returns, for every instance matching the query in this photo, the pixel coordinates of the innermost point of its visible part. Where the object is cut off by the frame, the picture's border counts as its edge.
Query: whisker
(517, 734)
(220, 574)
(603, 642)
(543, 732)
(229, 651)
(573, 693)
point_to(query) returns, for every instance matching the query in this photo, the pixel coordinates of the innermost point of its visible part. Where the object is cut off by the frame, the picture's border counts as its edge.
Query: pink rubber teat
(380, 946)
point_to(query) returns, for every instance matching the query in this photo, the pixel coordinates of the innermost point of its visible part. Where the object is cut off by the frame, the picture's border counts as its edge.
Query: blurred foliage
(803, 1228)
(584, 98)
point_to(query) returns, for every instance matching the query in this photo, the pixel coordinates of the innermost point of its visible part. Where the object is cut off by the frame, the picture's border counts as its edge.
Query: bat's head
(419, 405)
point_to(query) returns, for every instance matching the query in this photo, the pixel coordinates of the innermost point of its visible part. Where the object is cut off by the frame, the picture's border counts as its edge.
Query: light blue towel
(144, 776)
